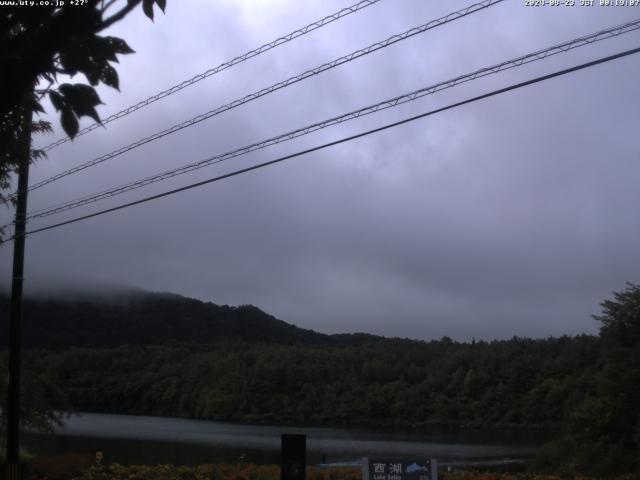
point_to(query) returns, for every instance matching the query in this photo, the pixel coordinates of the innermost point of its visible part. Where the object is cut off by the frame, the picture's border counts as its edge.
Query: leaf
(109, 77)
(69, 122)
(57, 100)
(147, 7)
(41, 126)
(91, 112)
(92, 72)
(73, 57)
(105, 49)
(80, 93)
(162, 4)
(37, 154)
(82, 99)
(119, 45)
(37, 107)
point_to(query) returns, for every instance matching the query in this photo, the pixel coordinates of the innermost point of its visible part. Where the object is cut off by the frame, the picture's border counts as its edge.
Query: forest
(390, 382)
(189, 359)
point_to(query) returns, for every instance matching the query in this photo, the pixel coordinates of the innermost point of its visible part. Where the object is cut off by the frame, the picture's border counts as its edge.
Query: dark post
(15, 313)
(293, 457)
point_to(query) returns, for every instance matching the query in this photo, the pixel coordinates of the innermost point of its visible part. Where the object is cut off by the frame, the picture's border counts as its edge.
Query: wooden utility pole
(15, 313)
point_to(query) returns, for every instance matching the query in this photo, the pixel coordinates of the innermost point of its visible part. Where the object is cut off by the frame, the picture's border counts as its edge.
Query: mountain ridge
(141, 317)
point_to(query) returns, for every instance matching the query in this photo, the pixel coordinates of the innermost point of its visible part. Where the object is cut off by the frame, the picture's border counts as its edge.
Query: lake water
(136, 439)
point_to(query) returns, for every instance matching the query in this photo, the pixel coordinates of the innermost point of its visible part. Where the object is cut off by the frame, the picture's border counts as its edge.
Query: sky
(514, 215)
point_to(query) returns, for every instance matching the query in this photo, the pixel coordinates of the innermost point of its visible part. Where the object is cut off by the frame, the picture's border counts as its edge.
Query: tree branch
(41, 92)
(131, 4)
(104, 8)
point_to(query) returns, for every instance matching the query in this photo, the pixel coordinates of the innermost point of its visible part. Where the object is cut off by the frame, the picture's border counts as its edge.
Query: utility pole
(15, 313)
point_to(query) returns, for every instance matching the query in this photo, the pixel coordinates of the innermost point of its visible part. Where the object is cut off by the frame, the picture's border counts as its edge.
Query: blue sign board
(396, 469)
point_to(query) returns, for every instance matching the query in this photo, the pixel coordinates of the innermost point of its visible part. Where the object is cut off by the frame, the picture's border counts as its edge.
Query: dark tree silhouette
(37, 45)
(602, 426)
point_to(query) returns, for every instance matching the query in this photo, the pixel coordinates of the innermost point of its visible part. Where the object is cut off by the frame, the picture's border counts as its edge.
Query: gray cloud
(511, 216)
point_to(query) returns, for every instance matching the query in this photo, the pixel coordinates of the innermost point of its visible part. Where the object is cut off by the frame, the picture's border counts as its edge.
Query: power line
(343, 140)
(390, 103)
(277, 86)
(223, 66)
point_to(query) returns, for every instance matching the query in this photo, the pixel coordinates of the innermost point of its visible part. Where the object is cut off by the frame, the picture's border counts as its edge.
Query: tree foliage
(620, 318)
(38, 393)
(602, 431)
(40, 44)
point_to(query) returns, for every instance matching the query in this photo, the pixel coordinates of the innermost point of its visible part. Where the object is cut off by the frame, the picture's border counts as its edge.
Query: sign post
(293, 461)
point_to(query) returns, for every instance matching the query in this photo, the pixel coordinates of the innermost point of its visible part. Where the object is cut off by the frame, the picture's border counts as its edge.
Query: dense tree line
(391, 382)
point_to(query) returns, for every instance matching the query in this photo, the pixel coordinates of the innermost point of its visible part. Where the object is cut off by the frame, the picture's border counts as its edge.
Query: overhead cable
(223, 66)
(342, 140)
(277, 86)
(383, 105)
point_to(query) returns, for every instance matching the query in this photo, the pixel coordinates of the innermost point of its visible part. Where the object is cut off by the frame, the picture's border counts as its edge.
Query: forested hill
(145, 318)
(158, 354)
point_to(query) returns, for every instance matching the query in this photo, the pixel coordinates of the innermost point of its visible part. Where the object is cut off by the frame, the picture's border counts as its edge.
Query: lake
(136, 439)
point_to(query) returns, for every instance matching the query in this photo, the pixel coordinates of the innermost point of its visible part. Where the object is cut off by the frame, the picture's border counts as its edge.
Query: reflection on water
(134, 439)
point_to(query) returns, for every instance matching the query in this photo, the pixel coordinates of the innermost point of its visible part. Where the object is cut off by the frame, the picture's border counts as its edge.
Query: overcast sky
(516, 215)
